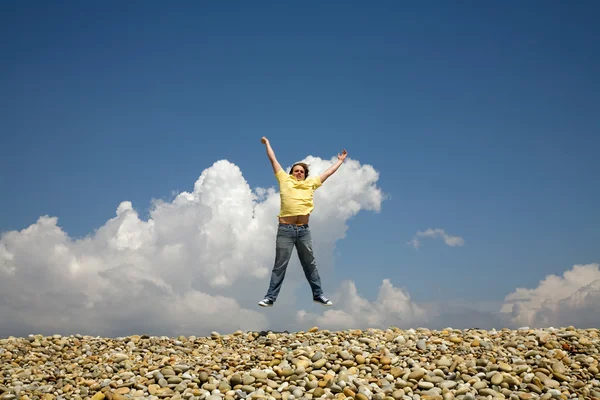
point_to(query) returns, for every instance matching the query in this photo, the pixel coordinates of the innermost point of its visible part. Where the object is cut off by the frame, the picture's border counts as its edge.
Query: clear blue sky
(482, 119)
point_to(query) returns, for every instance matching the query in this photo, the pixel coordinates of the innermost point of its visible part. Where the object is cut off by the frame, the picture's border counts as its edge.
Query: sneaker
(266, 302)
(322, 300)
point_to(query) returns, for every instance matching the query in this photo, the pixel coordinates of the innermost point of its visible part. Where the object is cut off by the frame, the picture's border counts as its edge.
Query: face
(298, 172)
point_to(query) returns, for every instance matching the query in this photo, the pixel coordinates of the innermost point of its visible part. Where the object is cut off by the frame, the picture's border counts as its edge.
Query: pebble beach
(377, 364)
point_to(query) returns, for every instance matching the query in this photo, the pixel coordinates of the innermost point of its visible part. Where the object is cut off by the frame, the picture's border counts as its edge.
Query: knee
(307, 256)
(309, 262)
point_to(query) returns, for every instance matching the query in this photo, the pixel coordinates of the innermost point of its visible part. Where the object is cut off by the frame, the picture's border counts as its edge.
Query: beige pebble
(369, 364)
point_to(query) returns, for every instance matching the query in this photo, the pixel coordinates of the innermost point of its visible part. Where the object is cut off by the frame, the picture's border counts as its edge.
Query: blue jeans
(289, 236)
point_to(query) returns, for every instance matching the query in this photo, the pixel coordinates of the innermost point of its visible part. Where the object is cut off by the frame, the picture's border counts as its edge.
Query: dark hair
(303, 165)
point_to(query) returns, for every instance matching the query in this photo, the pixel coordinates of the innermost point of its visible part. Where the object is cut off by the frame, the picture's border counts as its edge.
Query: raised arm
(271, 154)
(334, 167)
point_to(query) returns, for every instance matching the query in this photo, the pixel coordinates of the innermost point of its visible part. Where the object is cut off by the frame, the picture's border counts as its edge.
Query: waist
(305, 225)
(294, 219)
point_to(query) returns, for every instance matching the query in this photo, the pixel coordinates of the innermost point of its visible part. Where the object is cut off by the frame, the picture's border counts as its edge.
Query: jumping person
(296, 197)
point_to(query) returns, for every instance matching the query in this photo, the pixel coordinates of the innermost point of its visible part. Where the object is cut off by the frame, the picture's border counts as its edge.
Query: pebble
(370, 364)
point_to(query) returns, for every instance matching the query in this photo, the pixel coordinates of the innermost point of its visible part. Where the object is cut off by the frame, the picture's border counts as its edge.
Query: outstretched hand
(343, 155)
(264, 140)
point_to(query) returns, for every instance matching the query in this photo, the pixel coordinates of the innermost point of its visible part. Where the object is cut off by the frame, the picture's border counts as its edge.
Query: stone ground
(377, 364)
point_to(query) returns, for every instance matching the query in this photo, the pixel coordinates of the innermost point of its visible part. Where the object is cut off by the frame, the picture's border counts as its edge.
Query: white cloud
(199, 263)
(393, 307)
(573, 299)
(202, 261)
(451, 241)
(464, 314)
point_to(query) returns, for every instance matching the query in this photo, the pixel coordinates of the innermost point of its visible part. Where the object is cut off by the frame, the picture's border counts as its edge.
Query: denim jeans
(289, 236)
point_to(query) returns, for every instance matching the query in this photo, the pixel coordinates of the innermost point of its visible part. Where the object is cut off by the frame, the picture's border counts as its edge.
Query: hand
(264, 140)
(342, 156)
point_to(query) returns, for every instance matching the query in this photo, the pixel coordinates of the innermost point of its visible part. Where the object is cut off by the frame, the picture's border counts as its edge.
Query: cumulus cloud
(451, 241)
(464, 314)
(202, 261)
(573, 299)
(393, 307)
(199, 263)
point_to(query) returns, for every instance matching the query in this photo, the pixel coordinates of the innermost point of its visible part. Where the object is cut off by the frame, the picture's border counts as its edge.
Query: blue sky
(482, 120)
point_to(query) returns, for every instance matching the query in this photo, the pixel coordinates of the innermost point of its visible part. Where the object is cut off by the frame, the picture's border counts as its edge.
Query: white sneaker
(266, 302)
(322, 300)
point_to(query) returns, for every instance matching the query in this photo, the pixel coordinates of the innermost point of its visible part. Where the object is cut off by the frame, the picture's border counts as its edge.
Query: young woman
(296, 194)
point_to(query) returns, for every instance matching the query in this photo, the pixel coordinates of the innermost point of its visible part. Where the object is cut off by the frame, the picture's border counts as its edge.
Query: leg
(307, 259)
(284, 246)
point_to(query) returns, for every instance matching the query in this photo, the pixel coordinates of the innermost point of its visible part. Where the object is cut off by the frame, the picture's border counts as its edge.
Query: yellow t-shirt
(296, 196)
